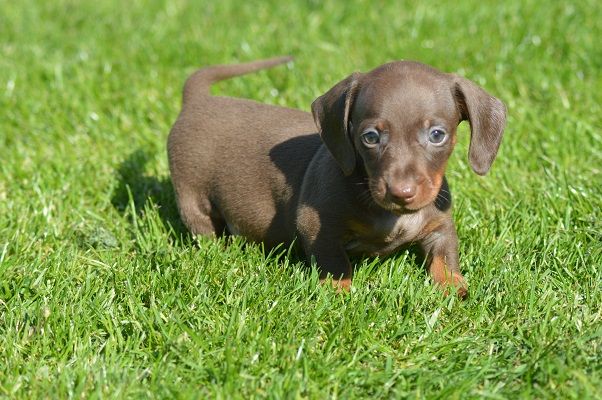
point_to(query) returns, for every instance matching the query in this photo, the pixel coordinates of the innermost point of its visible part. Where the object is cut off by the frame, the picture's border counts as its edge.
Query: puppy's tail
(201, 80)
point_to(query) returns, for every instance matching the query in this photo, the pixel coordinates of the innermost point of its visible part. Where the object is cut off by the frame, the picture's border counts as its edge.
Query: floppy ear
(331, 114)
(487, 117)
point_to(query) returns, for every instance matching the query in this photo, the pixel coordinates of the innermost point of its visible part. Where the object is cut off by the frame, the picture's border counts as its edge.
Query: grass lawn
(104, 294)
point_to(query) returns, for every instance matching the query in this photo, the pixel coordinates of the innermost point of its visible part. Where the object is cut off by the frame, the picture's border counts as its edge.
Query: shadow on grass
(146, 191)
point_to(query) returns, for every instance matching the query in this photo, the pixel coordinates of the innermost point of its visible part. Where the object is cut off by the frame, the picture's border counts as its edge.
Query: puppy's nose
(404, 192)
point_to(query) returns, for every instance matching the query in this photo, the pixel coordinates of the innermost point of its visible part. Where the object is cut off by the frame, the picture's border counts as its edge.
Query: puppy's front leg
(322, 242)
(332, 261)
(441, 249)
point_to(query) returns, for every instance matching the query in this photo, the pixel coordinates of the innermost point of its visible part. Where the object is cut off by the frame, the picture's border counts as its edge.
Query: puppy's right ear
(331, 114)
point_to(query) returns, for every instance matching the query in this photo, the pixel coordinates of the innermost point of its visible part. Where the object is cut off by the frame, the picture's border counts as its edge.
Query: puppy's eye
(437, 136)
(371, 138)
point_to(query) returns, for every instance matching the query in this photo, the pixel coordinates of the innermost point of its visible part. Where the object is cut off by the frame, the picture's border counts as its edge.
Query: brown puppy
(371, 181)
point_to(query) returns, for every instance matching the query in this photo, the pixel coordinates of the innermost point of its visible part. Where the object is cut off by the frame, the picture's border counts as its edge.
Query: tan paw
(342, 285)
(456, 280)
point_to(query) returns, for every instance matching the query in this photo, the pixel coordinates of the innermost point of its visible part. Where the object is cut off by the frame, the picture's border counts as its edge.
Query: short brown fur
(369, 180)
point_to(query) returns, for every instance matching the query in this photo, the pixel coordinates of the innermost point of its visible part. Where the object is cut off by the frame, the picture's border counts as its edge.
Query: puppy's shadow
(145, 190)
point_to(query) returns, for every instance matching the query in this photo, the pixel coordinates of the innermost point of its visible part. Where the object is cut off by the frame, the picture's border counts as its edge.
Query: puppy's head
(398, 122)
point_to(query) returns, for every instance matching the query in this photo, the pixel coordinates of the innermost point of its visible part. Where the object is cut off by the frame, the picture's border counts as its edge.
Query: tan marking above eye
(380, 125)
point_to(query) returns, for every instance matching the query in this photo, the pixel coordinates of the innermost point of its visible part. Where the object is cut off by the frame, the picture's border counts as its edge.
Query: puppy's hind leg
(198, 216)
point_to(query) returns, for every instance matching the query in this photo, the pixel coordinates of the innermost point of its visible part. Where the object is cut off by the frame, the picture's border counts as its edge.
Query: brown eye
(437, 136)
(371, 138)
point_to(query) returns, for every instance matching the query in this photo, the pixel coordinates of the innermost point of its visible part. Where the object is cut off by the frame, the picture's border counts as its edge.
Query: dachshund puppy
(369, 180)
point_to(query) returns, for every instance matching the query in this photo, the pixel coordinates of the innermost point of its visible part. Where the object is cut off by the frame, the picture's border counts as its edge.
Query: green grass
(103, 294)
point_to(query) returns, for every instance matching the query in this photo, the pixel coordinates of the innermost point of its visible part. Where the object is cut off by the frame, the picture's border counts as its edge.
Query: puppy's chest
(383, 234)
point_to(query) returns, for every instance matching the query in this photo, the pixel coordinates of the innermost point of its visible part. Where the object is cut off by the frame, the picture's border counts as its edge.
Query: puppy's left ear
(487, 117)
(331, 115)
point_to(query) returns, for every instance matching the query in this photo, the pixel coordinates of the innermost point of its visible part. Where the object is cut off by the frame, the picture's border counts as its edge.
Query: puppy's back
(244, 158)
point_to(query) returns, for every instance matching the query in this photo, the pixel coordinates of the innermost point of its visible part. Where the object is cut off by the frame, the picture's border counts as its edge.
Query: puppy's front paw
(340, 285)
(456, 280)
(444, 277)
